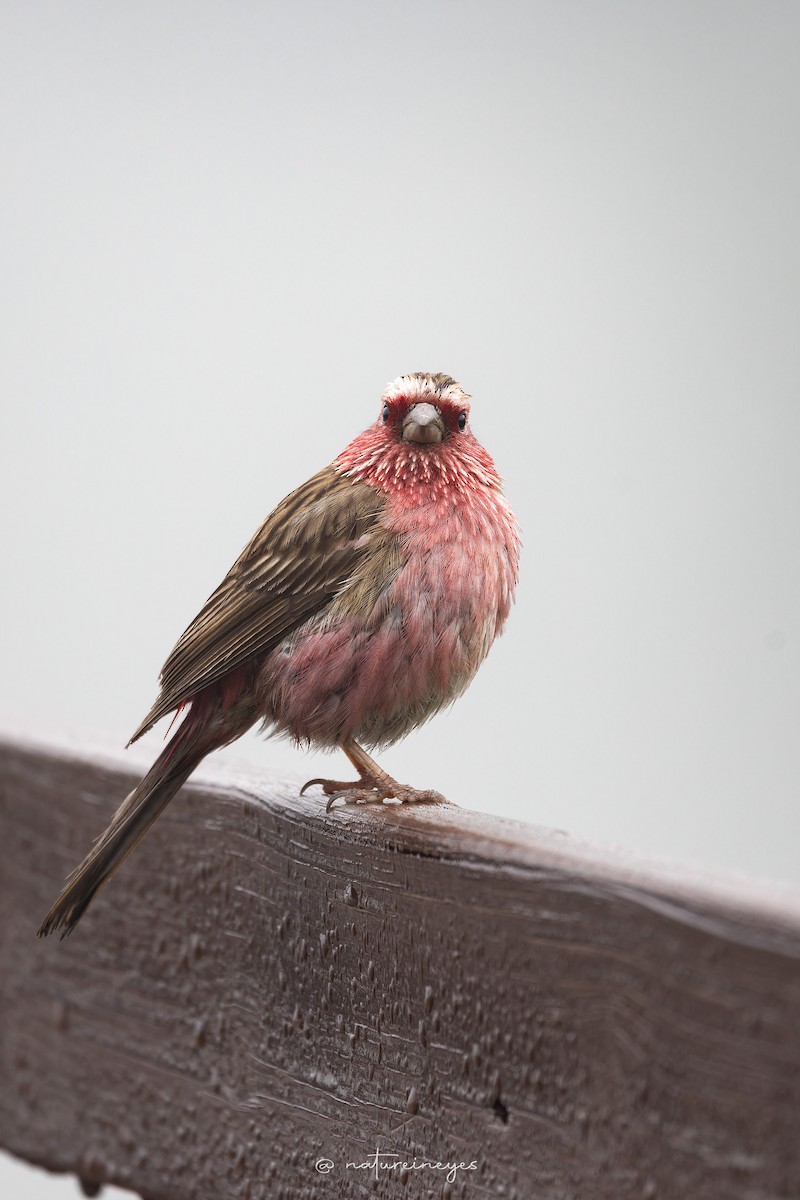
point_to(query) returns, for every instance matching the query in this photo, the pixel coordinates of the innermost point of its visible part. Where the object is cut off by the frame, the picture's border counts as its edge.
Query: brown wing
(297, 561)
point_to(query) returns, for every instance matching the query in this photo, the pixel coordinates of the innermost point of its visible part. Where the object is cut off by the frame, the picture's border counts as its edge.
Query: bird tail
(129, 825)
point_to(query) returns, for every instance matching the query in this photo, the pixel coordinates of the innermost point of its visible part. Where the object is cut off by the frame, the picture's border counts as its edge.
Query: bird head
(421, 440)
(423, 410)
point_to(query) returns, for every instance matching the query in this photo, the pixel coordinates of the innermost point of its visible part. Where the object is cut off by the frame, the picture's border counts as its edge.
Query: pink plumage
(374, 675)
(363, 605)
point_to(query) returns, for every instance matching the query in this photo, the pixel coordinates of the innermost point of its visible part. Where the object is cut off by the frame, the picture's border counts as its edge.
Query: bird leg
(373, 785)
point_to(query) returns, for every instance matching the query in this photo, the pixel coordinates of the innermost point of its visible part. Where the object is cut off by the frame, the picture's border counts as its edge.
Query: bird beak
(423, 423)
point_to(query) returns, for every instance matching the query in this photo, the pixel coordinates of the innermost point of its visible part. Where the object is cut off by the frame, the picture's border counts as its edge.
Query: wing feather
(306, 549)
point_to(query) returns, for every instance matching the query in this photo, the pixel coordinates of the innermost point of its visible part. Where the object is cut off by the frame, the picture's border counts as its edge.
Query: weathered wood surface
(263, 987)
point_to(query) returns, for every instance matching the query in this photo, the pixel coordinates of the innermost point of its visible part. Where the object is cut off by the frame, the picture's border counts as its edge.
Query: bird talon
(329, 786)
(356, 795)
(377, 791)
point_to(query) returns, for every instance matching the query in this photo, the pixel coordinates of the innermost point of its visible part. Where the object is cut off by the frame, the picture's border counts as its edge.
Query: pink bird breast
(374, 675)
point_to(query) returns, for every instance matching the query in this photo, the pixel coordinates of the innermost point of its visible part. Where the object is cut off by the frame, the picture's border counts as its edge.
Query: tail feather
(129, 825)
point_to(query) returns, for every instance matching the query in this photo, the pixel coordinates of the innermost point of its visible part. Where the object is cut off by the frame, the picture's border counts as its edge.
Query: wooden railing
(266, 993)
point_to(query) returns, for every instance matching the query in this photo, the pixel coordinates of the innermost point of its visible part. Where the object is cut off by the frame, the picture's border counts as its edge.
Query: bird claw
(374, 791)
(329, 786)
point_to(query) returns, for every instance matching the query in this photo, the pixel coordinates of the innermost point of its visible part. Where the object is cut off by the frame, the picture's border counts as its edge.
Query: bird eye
(462, 421)
(385, 413)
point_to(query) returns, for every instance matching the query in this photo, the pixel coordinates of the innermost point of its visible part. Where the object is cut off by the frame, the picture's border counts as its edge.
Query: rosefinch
(364, 604)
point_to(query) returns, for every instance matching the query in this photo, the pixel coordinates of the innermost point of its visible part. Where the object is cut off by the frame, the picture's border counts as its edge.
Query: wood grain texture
(262, 987)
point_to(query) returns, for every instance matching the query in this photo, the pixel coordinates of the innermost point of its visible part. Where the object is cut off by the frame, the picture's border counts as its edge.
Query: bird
(362, 606)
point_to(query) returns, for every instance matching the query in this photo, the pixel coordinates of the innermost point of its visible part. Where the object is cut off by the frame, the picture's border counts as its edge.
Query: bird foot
(369, 790)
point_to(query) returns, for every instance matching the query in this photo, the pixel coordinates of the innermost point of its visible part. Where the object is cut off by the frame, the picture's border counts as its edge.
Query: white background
(226, 226)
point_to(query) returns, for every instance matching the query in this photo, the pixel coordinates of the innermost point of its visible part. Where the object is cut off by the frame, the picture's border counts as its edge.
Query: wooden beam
(264, 990)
